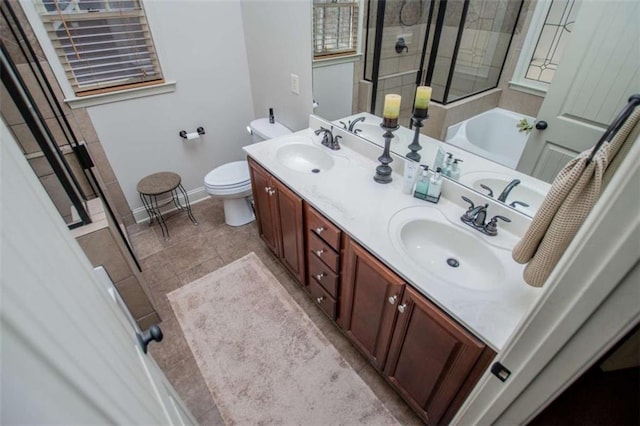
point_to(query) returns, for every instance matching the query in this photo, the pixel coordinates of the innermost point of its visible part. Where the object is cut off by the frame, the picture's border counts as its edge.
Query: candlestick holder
(383, 171)
(415, 144)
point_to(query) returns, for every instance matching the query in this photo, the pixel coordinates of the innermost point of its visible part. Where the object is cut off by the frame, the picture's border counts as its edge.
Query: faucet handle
(471, 205)
(488, 189)
(491, 228)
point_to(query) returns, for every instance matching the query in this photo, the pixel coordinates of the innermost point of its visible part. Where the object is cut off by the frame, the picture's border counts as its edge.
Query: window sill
(122, 95)
(318, 63)
(528, 88)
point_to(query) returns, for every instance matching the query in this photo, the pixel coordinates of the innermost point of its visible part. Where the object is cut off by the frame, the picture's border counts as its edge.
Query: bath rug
(263, 359)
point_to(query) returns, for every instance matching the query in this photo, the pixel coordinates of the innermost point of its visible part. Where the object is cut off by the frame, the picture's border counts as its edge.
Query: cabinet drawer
(326, 230)
(318, 248)
(321, 273)
(322, 299)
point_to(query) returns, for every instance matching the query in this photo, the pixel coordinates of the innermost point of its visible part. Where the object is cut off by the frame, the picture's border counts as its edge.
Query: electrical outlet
(295, 84)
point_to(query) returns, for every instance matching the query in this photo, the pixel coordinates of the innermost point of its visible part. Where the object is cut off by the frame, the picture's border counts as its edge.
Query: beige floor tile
(194, 251)
(186, 378)
(211, 418)
(173, 348)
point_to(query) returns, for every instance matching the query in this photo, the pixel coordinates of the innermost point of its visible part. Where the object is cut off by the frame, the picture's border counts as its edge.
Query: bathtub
(492, 135)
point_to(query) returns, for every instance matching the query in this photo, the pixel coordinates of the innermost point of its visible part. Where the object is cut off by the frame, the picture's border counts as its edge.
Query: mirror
(477, 33)
(488, 177)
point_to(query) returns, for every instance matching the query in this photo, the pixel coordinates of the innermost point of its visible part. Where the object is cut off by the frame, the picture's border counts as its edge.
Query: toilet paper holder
(199, 130)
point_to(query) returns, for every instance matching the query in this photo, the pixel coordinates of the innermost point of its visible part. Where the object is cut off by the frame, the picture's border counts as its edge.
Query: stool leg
(156, 209)
(187, 205)
(147, 207)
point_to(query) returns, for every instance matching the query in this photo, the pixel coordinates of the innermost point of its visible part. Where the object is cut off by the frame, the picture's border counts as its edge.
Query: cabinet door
(369, 295)
(263, 197)
(291, 228)
(431, 358)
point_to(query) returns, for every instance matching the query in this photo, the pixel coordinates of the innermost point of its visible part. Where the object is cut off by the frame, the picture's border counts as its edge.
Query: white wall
(201, 47)
(278, 43)
(333, 90)
(222, 83)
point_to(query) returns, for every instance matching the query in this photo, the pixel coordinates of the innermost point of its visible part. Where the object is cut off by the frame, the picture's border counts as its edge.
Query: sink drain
(453, 262)
(315, 170)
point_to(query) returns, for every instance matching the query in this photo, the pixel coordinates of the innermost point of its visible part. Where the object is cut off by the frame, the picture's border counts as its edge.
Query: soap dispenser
(455, 169)
(446, 170)
(422, 185)
(435, 187)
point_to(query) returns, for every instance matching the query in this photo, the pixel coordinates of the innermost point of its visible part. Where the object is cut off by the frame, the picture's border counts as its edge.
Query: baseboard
(195, 196)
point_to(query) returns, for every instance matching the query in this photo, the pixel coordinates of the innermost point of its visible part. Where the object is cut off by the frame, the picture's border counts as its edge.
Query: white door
(69, 352)
(600, 69)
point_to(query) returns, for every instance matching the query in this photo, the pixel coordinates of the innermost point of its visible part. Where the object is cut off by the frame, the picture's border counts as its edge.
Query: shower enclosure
(458, 47)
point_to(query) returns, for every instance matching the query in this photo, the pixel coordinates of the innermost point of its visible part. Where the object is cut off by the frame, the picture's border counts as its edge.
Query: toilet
(231, 181)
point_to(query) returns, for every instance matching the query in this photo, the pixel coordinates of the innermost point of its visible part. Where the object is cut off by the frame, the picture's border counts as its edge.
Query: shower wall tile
(40, 166)
(25, 138)
(391, 83)
(120, 202)
(99, 158)
(8, 108)
(85, 125)
(78, 172)
(389, 66)
(101, 249)
(57, 194)
(38, 96)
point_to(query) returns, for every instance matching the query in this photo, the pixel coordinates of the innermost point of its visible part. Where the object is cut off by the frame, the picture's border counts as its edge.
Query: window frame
(339, 57)
(103, 87)
(519, 80)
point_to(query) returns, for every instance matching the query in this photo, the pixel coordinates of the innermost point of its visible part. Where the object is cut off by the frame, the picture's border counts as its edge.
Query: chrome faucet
(351, 125)
(328, 139)
(505, 192)
(476, 216)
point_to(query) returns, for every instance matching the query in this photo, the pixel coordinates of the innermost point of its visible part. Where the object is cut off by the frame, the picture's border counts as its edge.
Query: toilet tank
(262, 130)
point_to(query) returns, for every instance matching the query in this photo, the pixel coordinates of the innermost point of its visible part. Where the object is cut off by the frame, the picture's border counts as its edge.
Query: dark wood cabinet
(368, 299)
(432, 357)
(431, 360)
(280, 219)
(323, 260)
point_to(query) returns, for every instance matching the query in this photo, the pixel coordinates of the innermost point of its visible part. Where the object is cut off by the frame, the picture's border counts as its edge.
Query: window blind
(335, 27)
(103, 45)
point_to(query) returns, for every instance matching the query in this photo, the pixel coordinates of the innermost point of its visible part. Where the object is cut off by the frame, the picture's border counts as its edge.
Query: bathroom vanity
(431, 335)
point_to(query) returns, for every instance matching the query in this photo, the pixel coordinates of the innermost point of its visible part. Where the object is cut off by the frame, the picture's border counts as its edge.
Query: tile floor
(194, 251)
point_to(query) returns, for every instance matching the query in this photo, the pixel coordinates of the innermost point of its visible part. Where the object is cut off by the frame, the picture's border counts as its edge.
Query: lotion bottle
(435, 187)
(422, 185)
(455, 169)
(411, 172)
(446, 170)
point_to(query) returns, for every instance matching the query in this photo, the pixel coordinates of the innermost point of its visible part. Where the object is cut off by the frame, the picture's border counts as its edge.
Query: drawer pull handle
(319, 252)
(319, 230)
(320, 299)
(393, 299)
(319, 277)
(402, 307)
(267, 189)
(271, 192)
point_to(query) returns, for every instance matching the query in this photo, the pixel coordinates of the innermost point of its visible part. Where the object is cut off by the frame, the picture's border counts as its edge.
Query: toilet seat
(229, 176)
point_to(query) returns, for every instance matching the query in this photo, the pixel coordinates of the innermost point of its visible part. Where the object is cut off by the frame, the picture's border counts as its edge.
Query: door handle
(153, 333)
(541, 125)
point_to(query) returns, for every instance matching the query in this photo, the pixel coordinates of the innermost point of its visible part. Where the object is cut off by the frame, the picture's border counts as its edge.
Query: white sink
(526, 192)
(304, 158)
(450, 252)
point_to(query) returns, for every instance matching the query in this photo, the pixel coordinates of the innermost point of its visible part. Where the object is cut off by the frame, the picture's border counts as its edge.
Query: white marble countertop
(348, 196)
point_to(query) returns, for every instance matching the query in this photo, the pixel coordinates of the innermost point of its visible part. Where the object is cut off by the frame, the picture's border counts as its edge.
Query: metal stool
(152, 186)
